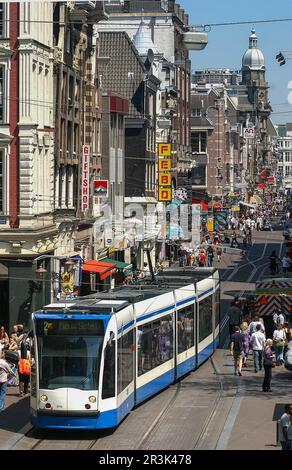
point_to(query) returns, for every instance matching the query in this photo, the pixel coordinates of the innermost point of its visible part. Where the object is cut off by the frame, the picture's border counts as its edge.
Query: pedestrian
(286, 428)
(245, 332)
(234, 239)
(234, 314)
(5, 370)
(286, 263)
(279, 338)
(202, 261)
(4, 338)
(219, 253)
(236, 349)
(253, 324)
(210, 256)
(278, 318)
(24, 366)
(274, 268)
(257, 341)
(268, 356)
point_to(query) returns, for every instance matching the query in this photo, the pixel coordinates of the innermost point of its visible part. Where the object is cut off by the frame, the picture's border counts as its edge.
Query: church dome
(253, 58)
(142, 39)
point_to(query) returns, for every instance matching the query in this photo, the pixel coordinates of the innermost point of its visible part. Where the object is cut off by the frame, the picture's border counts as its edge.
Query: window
(125, 361)
(185, 328)
(205, 318)
(2, 19)
(199, 142)
(217, 307)
(199, 175)
(1, 181)
(154, 344)
(196, 112)
(2, 71)
(108, 387)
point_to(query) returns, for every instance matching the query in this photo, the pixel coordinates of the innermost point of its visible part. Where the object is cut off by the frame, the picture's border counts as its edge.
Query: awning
(100, 267)
(118, 264)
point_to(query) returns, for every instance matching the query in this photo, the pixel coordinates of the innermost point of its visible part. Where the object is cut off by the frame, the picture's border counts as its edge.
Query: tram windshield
(69, 353)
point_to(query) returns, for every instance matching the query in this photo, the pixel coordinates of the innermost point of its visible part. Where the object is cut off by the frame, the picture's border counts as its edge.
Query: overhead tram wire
(206, 25)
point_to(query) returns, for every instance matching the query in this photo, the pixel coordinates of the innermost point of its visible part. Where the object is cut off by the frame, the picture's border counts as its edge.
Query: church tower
(253, 74)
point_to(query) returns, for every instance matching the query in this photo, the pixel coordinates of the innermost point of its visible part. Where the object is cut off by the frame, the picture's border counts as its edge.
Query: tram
(95, 359)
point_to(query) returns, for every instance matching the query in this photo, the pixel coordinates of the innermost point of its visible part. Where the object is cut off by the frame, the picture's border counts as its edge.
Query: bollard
(278, 432)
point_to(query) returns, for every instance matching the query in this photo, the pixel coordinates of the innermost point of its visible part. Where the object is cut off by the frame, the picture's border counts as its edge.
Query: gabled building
(129, 75)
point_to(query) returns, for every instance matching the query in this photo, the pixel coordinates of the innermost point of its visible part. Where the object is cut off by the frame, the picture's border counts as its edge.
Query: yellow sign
(235, 208)
(67, 283)
(164, 194)
(164, 164)
(164, 179)
(164, 150)
(210, 225)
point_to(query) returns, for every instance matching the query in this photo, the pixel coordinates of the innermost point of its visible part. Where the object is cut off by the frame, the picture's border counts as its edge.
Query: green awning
(119, 264)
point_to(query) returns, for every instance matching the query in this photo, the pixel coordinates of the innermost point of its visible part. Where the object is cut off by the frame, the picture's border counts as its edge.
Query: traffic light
(280, 58)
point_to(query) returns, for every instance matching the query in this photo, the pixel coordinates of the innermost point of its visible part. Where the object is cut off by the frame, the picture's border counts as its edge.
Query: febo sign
(85, 179)
(164, 172)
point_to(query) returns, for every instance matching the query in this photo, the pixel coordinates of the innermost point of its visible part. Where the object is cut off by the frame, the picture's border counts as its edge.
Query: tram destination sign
(49, 327)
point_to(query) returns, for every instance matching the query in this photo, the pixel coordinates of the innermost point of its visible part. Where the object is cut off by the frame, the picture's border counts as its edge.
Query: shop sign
(164, 150)
(85, 179)
(100, 188)
(164, 194)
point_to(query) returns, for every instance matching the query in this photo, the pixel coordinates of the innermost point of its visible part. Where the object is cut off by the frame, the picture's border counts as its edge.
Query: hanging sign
(100, 188)
(85, 179)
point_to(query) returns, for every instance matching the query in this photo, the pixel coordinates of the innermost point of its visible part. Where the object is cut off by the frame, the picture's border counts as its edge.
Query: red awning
(204, 205)
(100, 267)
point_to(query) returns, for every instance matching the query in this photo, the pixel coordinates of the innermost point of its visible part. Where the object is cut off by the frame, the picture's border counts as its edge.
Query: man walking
(236, 349)
(234, 314)
(4, 371)
(258, 343)
(286, 428)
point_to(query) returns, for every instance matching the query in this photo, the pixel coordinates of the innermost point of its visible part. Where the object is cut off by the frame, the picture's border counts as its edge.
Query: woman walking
(279, 338)
(268, 364)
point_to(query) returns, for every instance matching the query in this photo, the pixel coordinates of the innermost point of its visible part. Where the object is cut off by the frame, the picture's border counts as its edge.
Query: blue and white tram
(99, 357)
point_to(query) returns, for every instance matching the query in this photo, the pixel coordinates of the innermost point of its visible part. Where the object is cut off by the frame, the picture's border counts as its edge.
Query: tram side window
(125, 361)
(217, 307)
(155, 344)
(185, 328)
(205, 318)
(108, 386)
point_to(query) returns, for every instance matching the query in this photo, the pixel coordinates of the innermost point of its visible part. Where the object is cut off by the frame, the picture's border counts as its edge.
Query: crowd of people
(14, 361)
(249, 335)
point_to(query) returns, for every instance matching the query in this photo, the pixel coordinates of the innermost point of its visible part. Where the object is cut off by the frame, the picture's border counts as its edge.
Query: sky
(227, 44)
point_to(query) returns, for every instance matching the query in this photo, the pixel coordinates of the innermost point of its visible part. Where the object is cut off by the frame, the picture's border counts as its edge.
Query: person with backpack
(24, 366)
(279, 338)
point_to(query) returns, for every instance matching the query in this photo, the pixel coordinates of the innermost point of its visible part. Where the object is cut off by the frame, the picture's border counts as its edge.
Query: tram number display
(69, 327)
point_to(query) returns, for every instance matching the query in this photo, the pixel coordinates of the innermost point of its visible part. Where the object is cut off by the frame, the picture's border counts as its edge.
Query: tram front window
(69, 353)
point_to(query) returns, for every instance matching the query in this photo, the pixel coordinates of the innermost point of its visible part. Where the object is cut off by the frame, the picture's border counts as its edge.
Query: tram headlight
(44, 398)
(92, 399)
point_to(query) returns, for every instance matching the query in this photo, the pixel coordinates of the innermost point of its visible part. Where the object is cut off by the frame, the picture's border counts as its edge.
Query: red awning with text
(102, 268)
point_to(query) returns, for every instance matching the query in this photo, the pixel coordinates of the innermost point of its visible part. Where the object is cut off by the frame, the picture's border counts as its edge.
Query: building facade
(27, 227)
